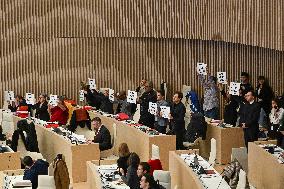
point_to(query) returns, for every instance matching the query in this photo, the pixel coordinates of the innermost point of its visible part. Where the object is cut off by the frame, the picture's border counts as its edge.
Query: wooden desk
(264, 171)
(50, 144)
(182, 176)
(10, 161)
(93, 178)
(226, 139)
(138, 141)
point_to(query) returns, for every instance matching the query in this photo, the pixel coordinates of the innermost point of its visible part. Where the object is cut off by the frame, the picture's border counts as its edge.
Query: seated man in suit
(102, 134)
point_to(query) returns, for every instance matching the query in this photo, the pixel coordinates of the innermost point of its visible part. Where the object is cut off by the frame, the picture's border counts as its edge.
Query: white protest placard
(222, 77)
(153, 108)
(165, 110)
(30, 98)
(235, 88)
(111, 94)
(92, 83)
(202, 68)
(131, 97)
(81, 96)
(53, 100)
(9, 96)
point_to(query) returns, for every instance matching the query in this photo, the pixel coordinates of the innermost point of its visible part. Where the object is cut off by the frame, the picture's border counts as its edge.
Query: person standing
(146, 118)
(264, 94)
(211, 100)
(141, 89)
(160, 122)
(249, 116)
(245, 85)
(176, 117)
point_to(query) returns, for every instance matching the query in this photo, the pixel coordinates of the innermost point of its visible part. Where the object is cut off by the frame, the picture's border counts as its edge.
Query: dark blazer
(145, 117)
(230, 110)
(122, 163)
(40, 167)
(265, 96)
(178, 113)
(131, 178)
(106, 104)
(249, 114)
(103, 138)
(92, 100)
(42, 111)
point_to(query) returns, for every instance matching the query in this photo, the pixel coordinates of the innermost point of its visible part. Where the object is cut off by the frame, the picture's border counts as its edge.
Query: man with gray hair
(146, 118)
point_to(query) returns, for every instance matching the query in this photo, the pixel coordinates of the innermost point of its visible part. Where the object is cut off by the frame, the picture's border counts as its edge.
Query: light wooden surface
(138, 141)
(93, 179)
(226, 139)
(10, 161)
(50, 144)
(264, 171)
(182, 175)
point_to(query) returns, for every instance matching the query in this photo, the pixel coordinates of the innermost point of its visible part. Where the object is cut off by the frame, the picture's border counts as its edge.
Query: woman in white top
(276, 118)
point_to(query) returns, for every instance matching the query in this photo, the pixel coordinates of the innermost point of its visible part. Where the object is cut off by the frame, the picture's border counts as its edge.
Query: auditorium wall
(50, 46)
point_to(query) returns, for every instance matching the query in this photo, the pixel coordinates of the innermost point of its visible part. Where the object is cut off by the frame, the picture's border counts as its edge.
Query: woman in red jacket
(59, 113)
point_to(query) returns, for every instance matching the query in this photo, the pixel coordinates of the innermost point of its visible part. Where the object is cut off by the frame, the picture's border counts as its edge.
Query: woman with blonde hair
(123, 152)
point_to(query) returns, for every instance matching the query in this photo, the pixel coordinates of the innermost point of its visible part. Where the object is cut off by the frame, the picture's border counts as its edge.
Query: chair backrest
(155, 152)
(7, 116)
(164, 178)
(242, 180)
(46, 182)
(213, 152)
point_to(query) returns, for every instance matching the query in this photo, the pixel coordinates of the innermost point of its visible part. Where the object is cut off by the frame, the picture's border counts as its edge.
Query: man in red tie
(102, 134)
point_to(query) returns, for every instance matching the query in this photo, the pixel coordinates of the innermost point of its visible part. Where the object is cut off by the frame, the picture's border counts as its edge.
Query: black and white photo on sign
(165, 110)
(53, 100)
(131, 97)
(202, 68)
(30, 98)
(111, 94)
(153, 108)
(235, 88)
(81, 96)
(9, 95)
(92, 83)
(222, 77)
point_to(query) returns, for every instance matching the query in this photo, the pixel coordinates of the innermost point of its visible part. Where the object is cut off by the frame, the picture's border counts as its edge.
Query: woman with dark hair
(148, 182)
(41, 108)
(276, 117)
(264, 94)
(131, 178)
(123, 152)
(59, 113)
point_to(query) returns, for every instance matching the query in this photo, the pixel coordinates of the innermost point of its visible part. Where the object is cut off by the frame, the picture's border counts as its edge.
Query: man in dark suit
(146, 118)
(176, 119)
(249, 116)
(102, 135)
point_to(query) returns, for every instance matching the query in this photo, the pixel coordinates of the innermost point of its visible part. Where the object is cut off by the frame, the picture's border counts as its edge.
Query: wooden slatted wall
(51, 45)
